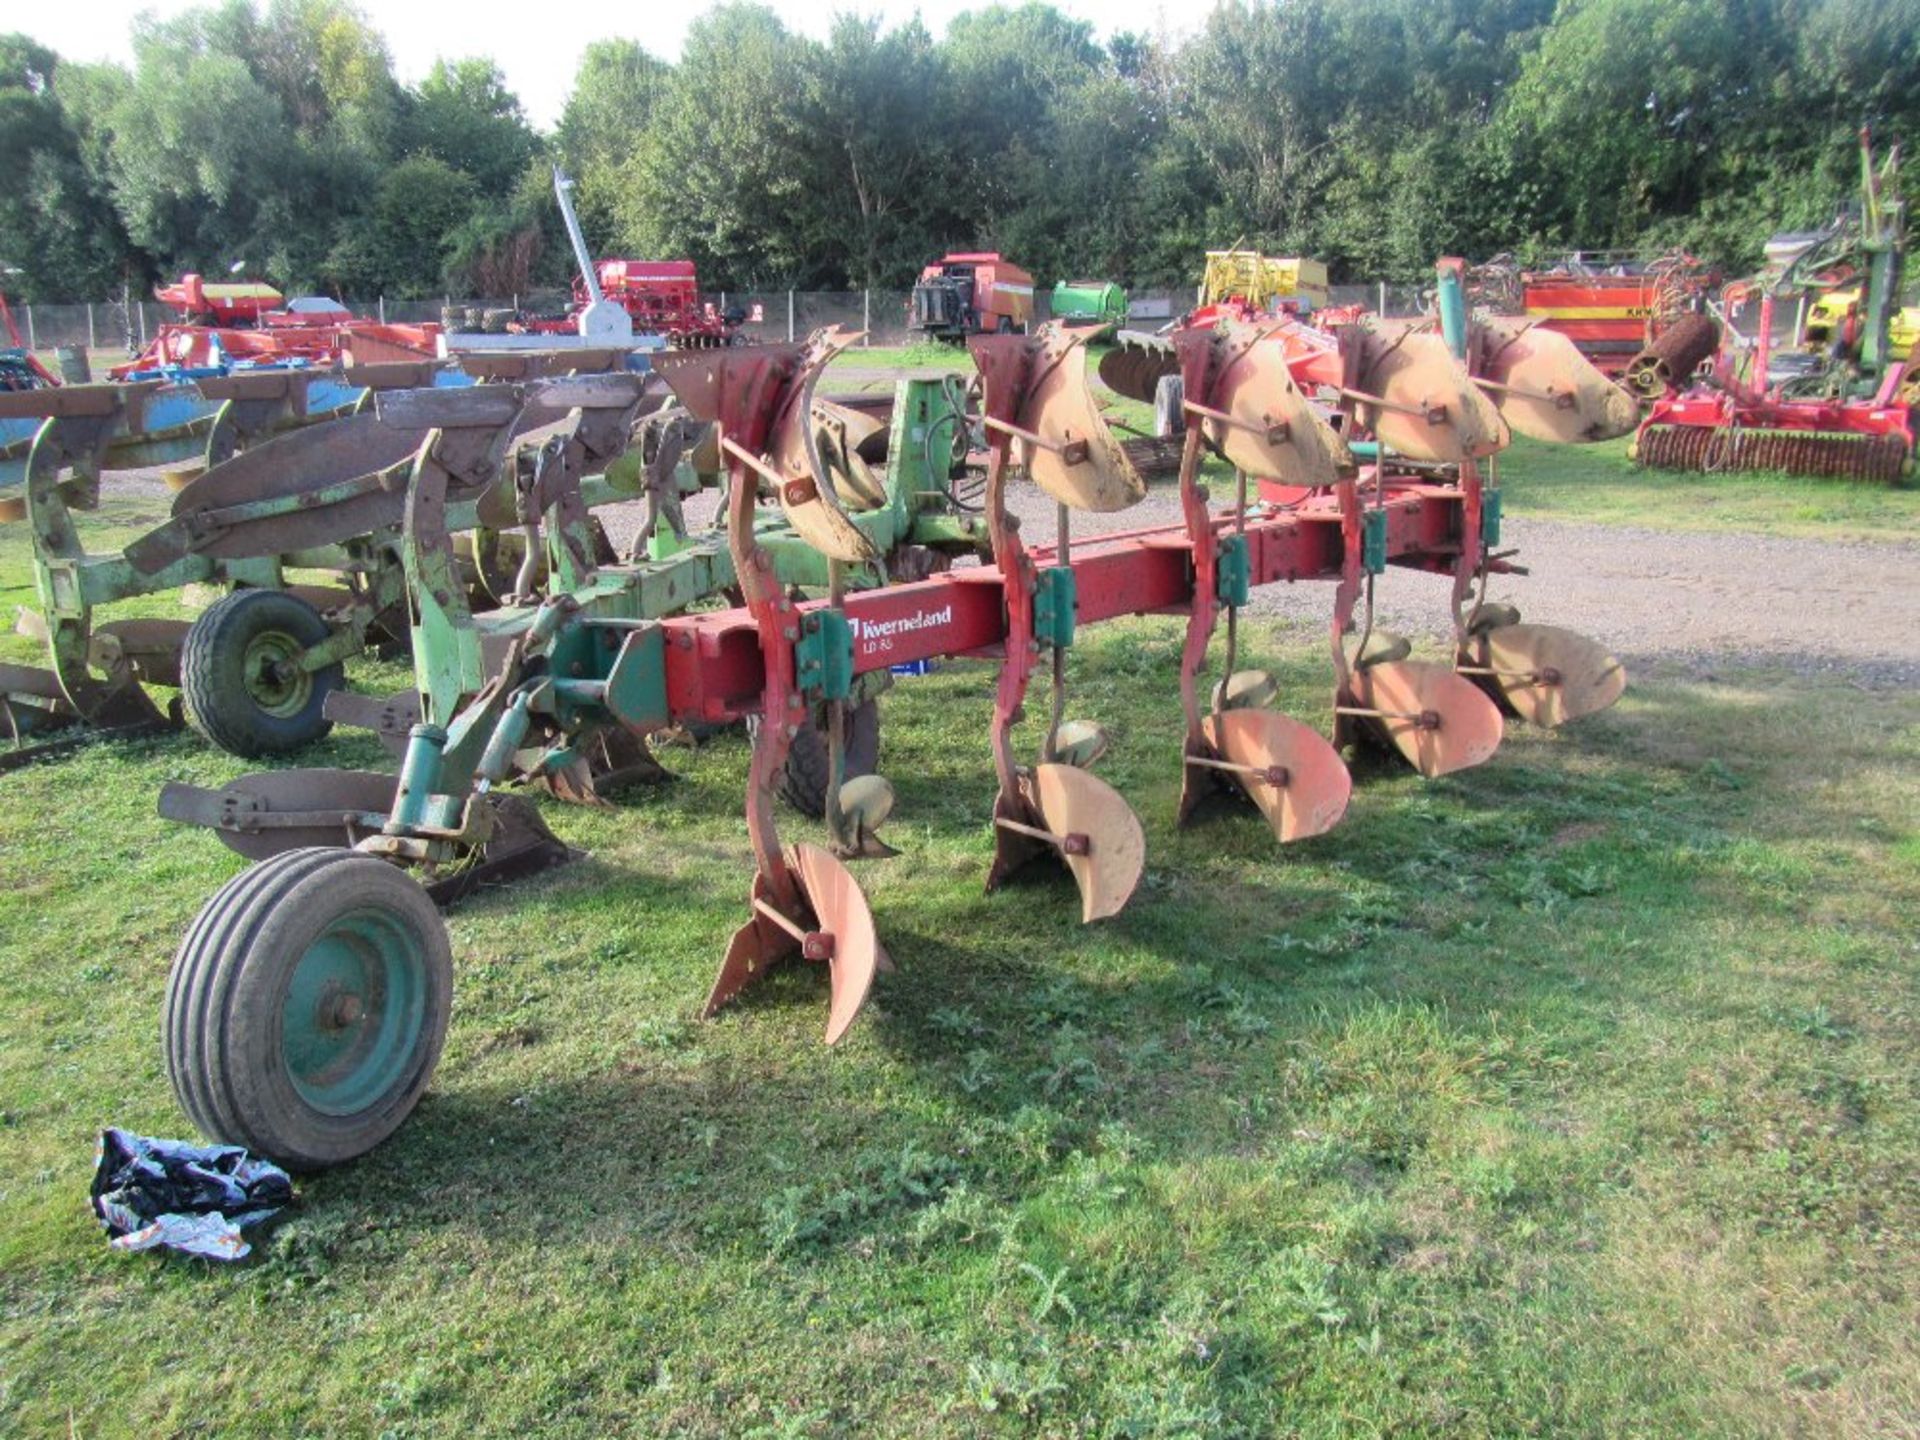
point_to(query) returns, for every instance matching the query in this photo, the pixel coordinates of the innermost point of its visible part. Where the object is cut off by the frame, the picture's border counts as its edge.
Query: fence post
(1383, 299)
(789, 317)
(866, 319)
(32, 344)
(92, 344)
(383, 309)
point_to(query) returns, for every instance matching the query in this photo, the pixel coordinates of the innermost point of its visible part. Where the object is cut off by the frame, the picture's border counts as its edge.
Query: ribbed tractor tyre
(240, 681)
(803, 783)
(307, 1007)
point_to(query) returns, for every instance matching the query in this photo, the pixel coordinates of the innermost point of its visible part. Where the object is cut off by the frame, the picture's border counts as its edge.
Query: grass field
(1572, 1095)
(1599, 483)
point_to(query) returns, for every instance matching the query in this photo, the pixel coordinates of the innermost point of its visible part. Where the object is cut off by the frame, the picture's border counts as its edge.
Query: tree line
(1373, 134)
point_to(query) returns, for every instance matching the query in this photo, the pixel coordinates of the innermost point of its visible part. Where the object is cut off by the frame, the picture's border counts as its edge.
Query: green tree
(724, 174)
(420, 204)
(607, 116)
(878, 148)
(1006, 69)
(57, 226)
(197, 145)
(466, 117)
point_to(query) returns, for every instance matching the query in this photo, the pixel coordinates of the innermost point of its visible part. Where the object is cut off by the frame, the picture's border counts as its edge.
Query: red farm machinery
(1351, 454)
(657, 297)
(972, 293)
(1844, 408)
(250, 324)
(1613, 307)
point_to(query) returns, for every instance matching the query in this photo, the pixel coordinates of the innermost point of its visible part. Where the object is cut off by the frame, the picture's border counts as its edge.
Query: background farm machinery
(612, 301)
(1099, 303)
(308, 1003)
(250, 323)
(972, 293)
(1614, 307)
(265, 522)
(1842, 407)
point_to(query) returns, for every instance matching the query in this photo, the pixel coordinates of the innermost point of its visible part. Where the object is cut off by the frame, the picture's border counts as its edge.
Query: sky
(537, 43)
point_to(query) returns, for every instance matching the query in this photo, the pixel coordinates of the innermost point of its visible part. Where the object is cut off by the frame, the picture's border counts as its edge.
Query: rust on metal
(1439, 721)
(1548, 675)
(1419, 400)
(1544, 387)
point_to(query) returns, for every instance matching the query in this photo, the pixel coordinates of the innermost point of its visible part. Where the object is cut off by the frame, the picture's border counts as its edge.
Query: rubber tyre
(803, 784)
(226, 646)
(228, 1009)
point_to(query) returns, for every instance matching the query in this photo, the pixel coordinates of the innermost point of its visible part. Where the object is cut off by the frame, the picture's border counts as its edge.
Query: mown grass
(1598, 483)
(1572, 1095)
(920, 355)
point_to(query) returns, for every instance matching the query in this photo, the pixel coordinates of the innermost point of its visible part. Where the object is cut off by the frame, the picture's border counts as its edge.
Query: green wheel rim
(275, 680)
(355, 1015)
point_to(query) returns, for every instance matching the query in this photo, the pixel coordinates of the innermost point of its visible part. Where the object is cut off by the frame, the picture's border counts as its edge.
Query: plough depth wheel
(805, 778)
(307, 1006)
(241, 678)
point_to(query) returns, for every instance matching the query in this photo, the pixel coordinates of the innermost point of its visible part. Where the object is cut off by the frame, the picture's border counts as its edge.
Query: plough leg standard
(308, 1002)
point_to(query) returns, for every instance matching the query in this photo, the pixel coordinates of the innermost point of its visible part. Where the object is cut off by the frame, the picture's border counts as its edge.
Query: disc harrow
(1352, 454)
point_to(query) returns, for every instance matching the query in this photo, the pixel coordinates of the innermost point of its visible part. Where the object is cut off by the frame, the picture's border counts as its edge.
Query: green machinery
(1089, 302)
(301, 529)
(553, 691)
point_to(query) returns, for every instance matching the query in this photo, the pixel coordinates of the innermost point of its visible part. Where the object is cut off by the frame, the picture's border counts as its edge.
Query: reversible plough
(322, 499)
(509, 676)
(308, 1002)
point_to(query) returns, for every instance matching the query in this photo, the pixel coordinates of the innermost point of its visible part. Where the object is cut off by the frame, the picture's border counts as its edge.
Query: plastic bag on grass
(192, 1198)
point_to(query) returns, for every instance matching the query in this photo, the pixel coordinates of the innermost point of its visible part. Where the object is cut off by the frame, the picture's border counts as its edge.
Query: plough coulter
(308, 1002)
(255, 669)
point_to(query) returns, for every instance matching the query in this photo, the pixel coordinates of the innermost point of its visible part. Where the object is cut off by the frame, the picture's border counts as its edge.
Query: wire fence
(772, 315)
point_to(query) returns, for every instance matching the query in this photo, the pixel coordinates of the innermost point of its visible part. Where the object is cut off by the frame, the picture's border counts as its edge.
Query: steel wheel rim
(274, 679)
(355, 1012)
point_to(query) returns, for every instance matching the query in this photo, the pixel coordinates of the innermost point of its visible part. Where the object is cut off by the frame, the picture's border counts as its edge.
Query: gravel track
(1842, 609)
